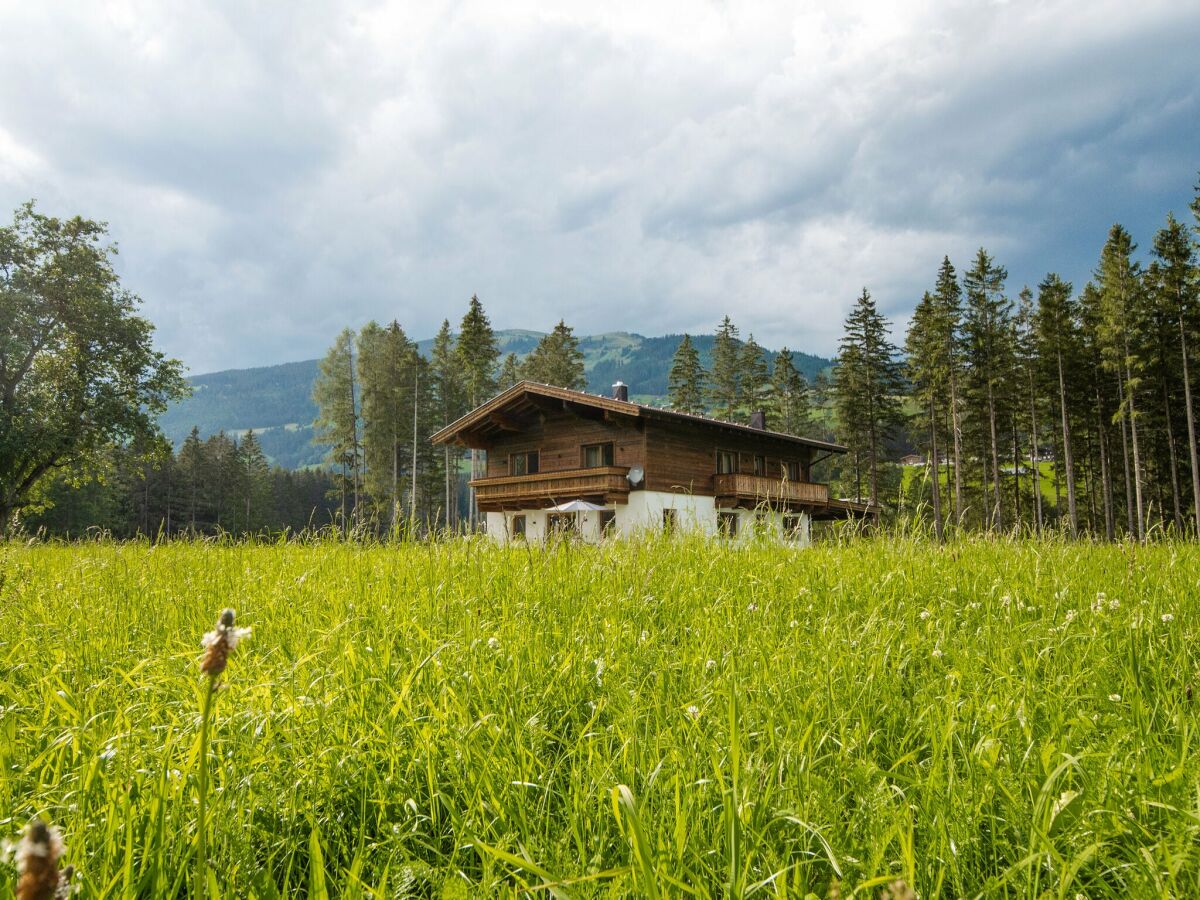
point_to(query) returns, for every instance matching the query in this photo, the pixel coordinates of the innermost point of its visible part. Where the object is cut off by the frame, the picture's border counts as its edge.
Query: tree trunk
(956, 427)
(1016, 448)
(1137, 460)
(1191, 427)
(1035, 465)
(1110, 530)
(1068, 458)
(933, 467)
(413, 499)
(1125, 460)
(1176, 502)
(997, 513)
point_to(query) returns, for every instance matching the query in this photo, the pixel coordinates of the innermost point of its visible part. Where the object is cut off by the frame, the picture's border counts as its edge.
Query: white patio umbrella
(575, 506)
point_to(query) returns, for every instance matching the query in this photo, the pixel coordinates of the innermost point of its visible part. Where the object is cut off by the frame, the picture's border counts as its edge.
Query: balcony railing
(736, 488)
(547, 488)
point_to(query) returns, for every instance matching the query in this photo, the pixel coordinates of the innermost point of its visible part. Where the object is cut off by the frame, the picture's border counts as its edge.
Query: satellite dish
(636, 475)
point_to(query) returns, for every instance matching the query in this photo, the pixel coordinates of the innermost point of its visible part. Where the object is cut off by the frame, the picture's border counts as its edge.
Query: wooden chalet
(563, 460)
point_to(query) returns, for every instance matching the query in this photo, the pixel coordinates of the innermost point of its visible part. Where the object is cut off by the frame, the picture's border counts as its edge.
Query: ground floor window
(670, 521)
(516, 527)
(727, 524)
(563, 523)
(793, 527)
(608, 522)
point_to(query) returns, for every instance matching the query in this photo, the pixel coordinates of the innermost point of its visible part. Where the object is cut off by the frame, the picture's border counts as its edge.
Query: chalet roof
(529, 395)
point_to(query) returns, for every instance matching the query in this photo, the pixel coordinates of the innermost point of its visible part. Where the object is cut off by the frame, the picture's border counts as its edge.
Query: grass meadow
(658, 719)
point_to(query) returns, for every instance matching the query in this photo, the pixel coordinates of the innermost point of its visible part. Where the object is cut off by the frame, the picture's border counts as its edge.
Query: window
(597, 455)
(516, 527)
(670, 521)
(608, 522)
(762, 523)
(793, 527)
(523, 463)
(760, 465)
(727, 524)
(563, 524)
(792, 470)
(727, 462)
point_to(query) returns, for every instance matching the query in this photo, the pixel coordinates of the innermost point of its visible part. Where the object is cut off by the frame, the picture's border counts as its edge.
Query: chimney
(758, 419)
(621, 391)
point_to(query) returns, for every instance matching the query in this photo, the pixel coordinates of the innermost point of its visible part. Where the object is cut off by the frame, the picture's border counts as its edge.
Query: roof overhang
(514, 409)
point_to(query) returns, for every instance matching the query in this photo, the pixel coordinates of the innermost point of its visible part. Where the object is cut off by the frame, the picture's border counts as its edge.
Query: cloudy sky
(276, 171)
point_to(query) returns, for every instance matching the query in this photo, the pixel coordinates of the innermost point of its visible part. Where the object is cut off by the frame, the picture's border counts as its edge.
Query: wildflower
(1070, 615)
(694, 712)
(793, 623)
(710, 665)
(753, 607)
(1114, 603)
(1167, 618)
(1115, 698)
(925, 614)
(493, 643)
(645, 634)
(937, 653)
(1006, 601)
(37, 858)
(219, 643)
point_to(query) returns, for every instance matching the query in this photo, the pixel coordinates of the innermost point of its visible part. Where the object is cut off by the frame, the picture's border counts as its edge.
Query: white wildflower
(1070, 615)
(753, 607)
(793, 623)
(493, 643)
(925, 614)
(1006, 601)
(1114, 603)
(1167, 618)
(645, 634)
(937, 653)
(693, 711)
(710, 665)
(1115, 698)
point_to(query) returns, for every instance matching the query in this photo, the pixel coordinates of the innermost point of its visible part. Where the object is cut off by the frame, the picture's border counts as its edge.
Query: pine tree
(868, 386)
(387, 361)
(1178, 294)
(256, 484)
(1118, 279)
(557, 360)
(754, 378)
(336, 425)
(987, 333)
(928, 372)
(510, 372)
(686, 382)
(1056, 341)
(1104, 389)
(477, 352)
(450, 404)
(191, 466)
(1025, 344)
(790, 406)
(948, 296)
(725, 379)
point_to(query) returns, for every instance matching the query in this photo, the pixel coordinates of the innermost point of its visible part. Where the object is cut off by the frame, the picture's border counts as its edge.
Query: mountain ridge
(276, 401)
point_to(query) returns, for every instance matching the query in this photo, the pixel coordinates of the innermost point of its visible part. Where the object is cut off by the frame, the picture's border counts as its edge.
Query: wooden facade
(547, 445)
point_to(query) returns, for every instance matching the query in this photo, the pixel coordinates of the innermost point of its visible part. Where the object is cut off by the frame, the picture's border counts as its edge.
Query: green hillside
(276, 401)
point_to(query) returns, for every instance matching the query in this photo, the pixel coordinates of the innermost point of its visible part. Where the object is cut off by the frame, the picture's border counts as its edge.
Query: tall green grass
(663, 719)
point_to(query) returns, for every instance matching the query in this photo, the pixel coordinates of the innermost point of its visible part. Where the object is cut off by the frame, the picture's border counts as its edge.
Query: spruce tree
(1118, 280)
(725, 378)
(1056, 347)
(337, 422)
(557, 360)
(686, 382)
(191, 465)
(1028, 381)
(256, 483)
(754, 378)
(1178, 290)
(868, 387)
(987, 335)
(948, 296)
(790, 406)
(510, 372)
(450, 404)
(928, 372)
(387, 361)
(477, 352)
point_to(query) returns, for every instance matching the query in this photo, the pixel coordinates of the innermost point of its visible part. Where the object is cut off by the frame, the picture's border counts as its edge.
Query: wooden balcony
(602, 484)
(751, 490)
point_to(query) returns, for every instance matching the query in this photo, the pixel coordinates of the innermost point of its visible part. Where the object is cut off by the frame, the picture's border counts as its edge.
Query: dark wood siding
(559, 439)
(682, 457)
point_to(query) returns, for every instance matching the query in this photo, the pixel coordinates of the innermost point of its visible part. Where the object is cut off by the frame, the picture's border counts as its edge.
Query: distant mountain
(276, 401)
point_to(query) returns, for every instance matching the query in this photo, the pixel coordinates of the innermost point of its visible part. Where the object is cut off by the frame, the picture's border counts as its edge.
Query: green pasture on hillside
(668, 719)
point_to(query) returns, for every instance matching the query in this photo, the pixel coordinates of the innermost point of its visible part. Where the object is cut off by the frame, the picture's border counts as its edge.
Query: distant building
(566, 461)
(912, 459)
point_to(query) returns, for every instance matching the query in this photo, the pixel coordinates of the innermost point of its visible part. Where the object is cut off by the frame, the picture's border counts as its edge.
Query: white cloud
(645, 166)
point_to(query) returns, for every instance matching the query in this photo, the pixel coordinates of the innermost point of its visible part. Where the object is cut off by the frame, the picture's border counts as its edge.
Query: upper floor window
(760, 464)
(792, 469)
(597, 455)
(523, 463)
(727, 462)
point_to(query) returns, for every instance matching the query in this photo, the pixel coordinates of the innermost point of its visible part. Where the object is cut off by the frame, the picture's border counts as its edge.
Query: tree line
(379, 400)
(1063, 407)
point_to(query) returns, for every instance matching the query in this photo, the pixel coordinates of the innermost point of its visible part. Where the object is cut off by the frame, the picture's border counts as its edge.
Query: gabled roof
(529, 395)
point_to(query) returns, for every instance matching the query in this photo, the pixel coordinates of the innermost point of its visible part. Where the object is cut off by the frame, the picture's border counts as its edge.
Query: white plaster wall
(644, 512)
